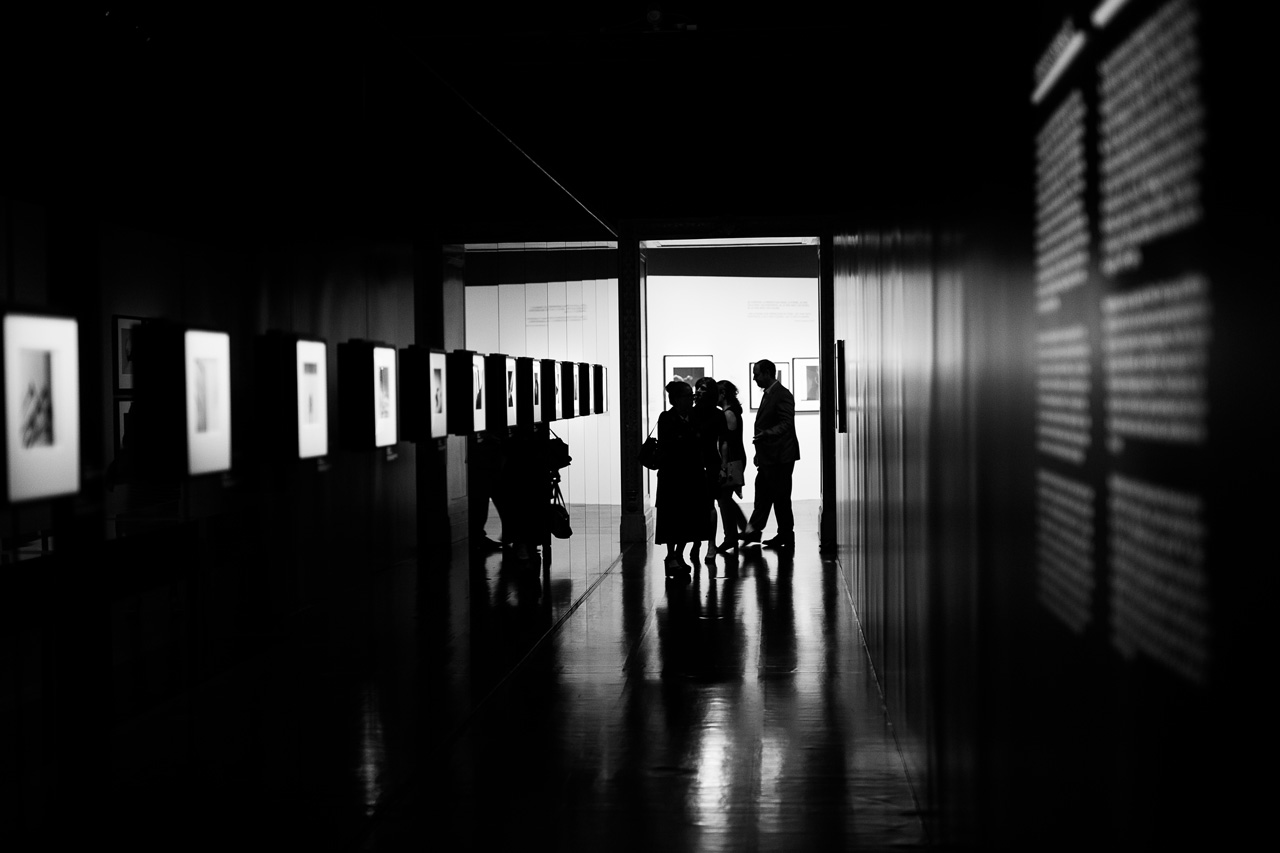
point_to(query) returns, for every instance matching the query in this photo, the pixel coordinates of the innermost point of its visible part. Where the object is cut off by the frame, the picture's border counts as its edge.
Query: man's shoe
(752, 538)
(726, 546)
(778, 543)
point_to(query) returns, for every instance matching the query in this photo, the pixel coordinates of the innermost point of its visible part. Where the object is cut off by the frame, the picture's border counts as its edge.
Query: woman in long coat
(684, 502)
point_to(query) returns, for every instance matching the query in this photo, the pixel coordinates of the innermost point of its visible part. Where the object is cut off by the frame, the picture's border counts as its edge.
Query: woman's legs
(733, 517)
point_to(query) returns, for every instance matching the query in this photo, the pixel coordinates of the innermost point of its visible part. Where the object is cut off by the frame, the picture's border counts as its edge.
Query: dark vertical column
(827, 537)
(631, 384)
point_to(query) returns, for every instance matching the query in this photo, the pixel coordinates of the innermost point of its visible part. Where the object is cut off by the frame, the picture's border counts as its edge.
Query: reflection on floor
(469, 702)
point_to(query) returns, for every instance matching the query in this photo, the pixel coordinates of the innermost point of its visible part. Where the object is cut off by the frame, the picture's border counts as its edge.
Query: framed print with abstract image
(385, 402)
(783, 376)
(313, 398)
(122, 351)
(438, 402)
(686, 368)
(208, 386)
(41, 406)
(808, 377)
(122, 407)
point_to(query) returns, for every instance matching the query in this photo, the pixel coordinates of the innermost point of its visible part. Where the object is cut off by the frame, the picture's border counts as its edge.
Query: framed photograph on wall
(477, 393)
(808, 377)
(549, 370)
(122, 351)
(568, 373)
(512, 391)
(122, 407)
(584, 388)
(842, 402)
(688, 368)
(438, 393)
(385, 400)
(598, 397)
(784, 376)
(41, 406)
(208, 384)
(313, 398)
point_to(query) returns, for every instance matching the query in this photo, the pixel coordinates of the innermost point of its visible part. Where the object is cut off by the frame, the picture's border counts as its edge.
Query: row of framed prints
(176, 419)
(807, 373)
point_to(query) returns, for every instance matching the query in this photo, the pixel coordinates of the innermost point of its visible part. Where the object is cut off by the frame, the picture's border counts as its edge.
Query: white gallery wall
(571, 321)
(737, 321)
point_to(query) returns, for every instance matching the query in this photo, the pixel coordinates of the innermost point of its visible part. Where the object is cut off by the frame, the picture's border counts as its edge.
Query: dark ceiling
(384, 116)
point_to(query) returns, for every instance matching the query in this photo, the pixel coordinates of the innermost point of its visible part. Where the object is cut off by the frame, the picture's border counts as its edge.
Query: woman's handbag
(558, 515)
(557, 452)
(649, 453)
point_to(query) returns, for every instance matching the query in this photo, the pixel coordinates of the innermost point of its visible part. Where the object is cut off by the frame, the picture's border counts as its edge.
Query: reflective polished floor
(468, 702)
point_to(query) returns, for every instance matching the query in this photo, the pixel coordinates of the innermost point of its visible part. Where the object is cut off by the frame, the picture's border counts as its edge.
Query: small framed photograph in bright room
(584, 388)
(783, 376)
(511, 390)
(499, 391)
(528, 391)
(41, 406)
(207, 356)
(686, 368)
(567, 392)
(842, 402)
(122, 351)
(599, 400)
(477, 397)
(808, 390)
(550, 389)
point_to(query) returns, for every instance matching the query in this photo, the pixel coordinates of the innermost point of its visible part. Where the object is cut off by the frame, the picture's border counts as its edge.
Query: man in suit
(776, 452)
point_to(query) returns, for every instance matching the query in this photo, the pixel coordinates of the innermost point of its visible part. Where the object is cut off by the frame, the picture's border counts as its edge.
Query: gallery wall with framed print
(122, 352)
(207, 357)
(808, 388)
(477, 399)
(41, 379)
(528, 391)
(438, 405)
(550, 390)
(511, 393)
(567, 373)
(599, 396)
(842, 401)
(499, 391)
(424, 397)
(292, 395)
(120, 418)
(784, 376)
(687, 368)
(368, 395)
(584, 388)
(312, 376)
(463, 383)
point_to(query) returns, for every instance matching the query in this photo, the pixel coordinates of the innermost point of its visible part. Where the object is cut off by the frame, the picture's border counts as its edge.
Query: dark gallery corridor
(294, 306)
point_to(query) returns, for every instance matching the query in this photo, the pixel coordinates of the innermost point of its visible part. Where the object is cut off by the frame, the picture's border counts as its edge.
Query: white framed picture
(808, 390)
(41, 406)
(437, 366)
(385, 412)
(208, 387)
(536, 390)
(686, 368)
(512, 394)
(313, 399)
(477, 392)
(122, 351)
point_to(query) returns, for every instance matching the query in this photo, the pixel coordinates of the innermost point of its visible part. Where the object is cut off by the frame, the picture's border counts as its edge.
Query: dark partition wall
(1044, 491)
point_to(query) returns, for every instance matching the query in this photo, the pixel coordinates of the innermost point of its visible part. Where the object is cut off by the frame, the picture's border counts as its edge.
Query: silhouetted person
(776, 452)
(733, 460)
(684, 501)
